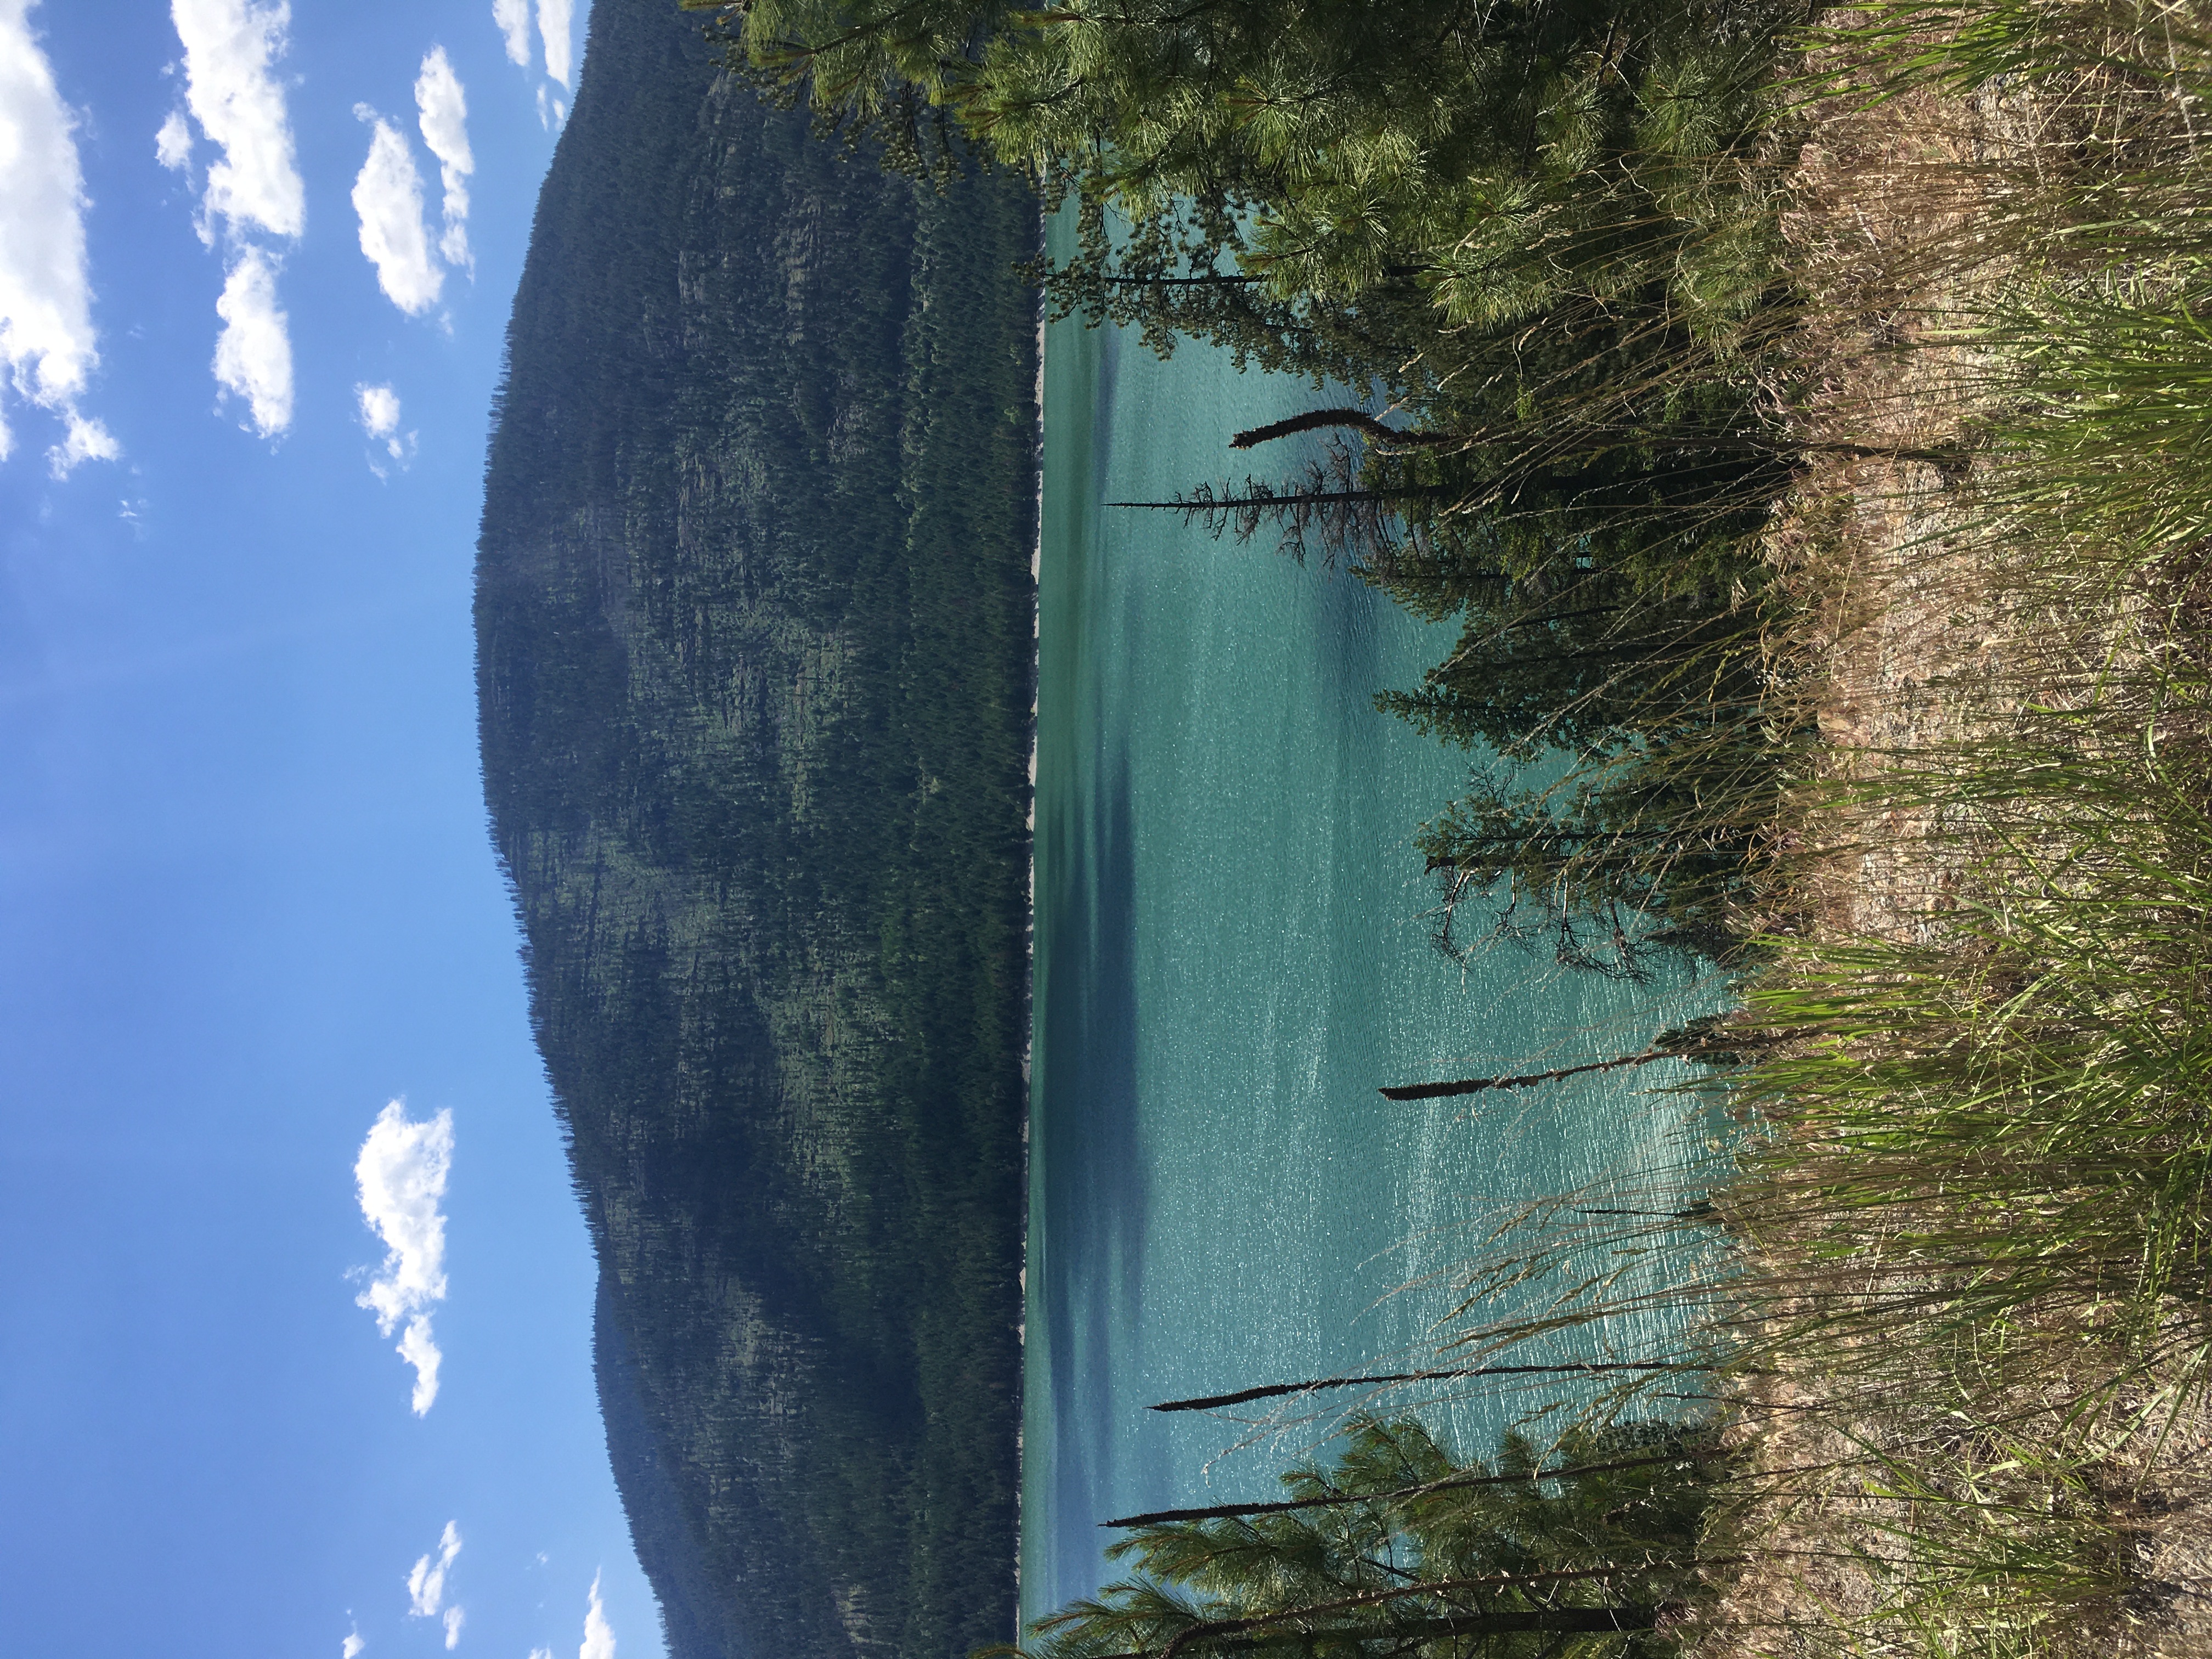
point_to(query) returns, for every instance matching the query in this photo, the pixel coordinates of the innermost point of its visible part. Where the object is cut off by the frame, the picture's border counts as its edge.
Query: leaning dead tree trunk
(1534, 1621)
(1315, 420)
(1359, 420)
(1274, 1390)
(1450, 1483)
(1475, 1085)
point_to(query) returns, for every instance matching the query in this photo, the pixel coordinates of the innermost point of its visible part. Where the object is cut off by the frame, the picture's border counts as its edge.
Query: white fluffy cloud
(556, 29)
(231, 49)
(380, 411)
(426, 1580)
(442, 111)
(598, 1637)
(388, 196)
(252, 188)
(401, 1175)
(455, 1620)
(513, 17)
(253, 353)
(47, 342)
(351, 1647)
(556, 23)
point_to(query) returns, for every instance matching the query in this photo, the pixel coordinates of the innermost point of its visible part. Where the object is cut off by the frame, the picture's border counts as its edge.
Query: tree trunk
(1725, 443)
(1301, 498)
(1450, 1483)
(1271, 1390)
(1315, 419)
(1549, 1622)
(1475, 1085)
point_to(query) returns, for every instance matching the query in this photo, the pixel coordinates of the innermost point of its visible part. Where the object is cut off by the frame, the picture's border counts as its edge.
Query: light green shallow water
(1229, 959)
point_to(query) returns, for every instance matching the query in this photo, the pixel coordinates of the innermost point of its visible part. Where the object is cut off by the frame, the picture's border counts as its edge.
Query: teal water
(1230, 958)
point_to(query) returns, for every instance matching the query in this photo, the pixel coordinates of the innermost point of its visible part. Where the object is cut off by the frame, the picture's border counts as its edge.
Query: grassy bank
(1955, 1296)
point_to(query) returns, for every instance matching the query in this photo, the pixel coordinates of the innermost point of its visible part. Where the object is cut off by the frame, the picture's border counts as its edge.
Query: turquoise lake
(1231, 956)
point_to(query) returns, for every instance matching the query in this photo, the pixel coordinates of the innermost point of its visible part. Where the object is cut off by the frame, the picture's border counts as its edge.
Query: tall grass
(1962, 1249)
(1962, 1256)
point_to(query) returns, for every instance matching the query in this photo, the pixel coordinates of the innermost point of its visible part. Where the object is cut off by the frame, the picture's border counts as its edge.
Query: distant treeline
(755, 650)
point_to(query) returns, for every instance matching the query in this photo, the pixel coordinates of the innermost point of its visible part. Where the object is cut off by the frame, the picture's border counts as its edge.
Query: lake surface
(1231, 956)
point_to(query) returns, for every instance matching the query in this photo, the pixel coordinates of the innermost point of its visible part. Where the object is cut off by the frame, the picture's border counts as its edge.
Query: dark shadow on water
(1106, 345)
(1346, 644)
(1095, 1184)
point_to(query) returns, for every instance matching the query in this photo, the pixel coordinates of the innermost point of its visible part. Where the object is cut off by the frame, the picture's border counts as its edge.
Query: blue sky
(247, 900)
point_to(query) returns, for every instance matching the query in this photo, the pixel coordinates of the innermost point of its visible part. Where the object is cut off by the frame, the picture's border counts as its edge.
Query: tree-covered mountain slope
(755, 657)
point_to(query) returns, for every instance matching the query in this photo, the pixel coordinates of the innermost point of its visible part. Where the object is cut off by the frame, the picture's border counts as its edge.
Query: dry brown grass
(1919, 642)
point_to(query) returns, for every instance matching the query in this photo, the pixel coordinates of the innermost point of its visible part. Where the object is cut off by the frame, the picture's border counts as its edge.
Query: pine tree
(1398, 1553)
(1483, 159)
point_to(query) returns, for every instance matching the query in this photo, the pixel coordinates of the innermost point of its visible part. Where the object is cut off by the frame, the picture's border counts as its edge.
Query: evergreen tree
(1286, 170)
(1646, 853)
(1397, 1551)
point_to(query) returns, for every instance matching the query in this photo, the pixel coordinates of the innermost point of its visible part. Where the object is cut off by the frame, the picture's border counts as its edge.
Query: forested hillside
(755, 654)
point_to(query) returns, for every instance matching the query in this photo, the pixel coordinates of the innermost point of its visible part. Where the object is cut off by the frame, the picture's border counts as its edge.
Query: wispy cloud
(378, 409)
(557, 21)
(401, 1177)
(419, 1349)
(253, 353)
(426, 1580)
(85, 439)
(426, 1585)
(388, 196)
(598, 1637)
(252, 188)
(351, 1647)
(47, 341)
(441, 109)
(513, 17)
(556, 27)
(173, 144)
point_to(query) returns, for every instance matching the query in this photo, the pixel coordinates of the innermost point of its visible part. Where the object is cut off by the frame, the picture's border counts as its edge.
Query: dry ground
(1915, 648)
